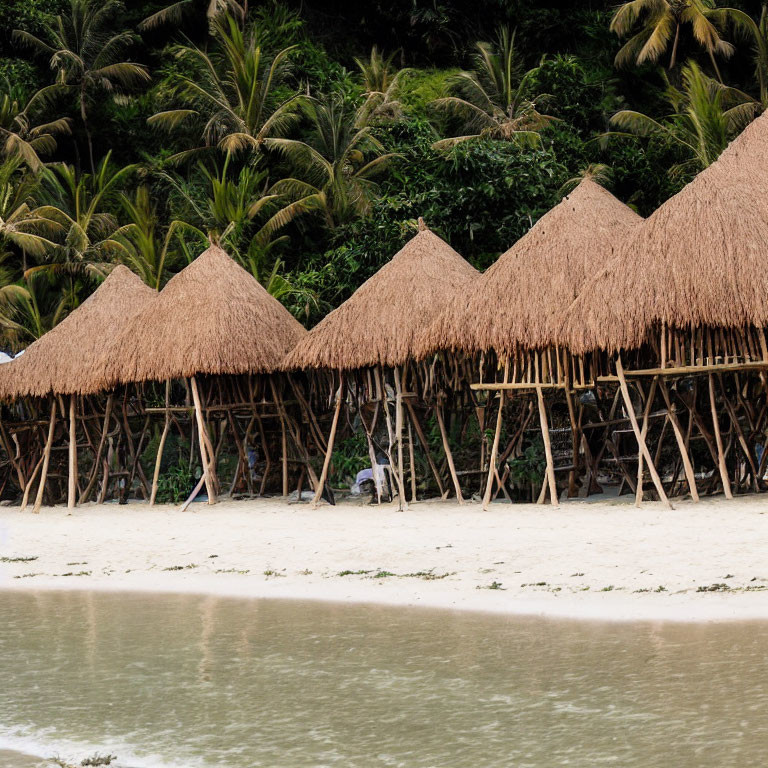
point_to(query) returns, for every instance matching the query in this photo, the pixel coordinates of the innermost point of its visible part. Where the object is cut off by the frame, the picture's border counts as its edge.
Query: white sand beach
(603, 560)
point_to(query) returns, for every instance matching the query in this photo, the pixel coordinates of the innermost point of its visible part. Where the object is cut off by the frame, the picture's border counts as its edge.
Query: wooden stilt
(329, 449)
(643, 434)
(72, 484)
(161, 446)
(636, 429)
(412, 462)
(371, 450)
(46, 458)
(673, 420)
(28, 488)
(742, 438)
(207, 470)
(399, 432)
(719, 440)
(547, 448)
(284, 454)
(425, 445)
(85, 495)
(496, 437)
(448, 454)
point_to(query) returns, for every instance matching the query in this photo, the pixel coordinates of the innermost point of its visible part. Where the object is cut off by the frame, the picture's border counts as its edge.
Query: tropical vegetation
(308, 138)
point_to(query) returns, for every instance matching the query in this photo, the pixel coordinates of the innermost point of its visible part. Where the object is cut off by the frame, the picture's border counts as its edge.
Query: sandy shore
(605, 560)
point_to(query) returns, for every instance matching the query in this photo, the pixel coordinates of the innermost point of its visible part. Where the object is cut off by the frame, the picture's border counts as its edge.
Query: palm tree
(705, 116)
(494, 101)
(28, 309)
(661, 22)
(91, 238)
(87, 56)
(381, 85)
(337, 164)
(21, 225)
(24, 136)
(235, 91)
(757, 33)
(148, 252)
(174, 13)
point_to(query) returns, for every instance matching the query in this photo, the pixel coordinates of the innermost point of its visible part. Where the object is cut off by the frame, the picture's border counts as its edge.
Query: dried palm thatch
(701, 259)
(382, 322)
(519, 301)
(211, 318)
(68, 359)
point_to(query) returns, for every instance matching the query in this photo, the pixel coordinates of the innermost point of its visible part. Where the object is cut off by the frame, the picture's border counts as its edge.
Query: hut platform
(600, 559)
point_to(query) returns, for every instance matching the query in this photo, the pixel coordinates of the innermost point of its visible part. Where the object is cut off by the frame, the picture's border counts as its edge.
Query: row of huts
(625, 348)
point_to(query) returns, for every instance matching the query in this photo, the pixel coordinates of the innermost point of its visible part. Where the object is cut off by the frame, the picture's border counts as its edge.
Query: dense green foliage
(308, 141)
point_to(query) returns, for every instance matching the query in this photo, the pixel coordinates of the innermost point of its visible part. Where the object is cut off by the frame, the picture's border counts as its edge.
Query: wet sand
(591, 559)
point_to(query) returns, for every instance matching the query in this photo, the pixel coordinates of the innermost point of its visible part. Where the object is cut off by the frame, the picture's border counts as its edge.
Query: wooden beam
(46, 458)
(673, 420)
(719, 441)
(329, 449)
(495, 447)
(161, 446)
(640, 441)
(547, 448)
(209, 485)
(72, 480)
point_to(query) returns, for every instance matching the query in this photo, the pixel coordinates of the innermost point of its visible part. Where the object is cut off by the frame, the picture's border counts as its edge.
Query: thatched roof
(213, 317)
(69, 358)
(382, 322)
(700, 259)
(520, 300)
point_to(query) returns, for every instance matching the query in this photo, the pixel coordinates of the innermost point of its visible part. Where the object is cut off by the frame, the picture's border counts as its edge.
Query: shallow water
(179, 680)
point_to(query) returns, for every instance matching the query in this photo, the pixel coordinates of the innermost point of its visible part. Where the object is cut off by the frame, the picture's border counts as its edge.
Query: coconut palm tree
(336, 167)
(660, 22)
(21, 132)
(757, 33)
(494, 101)
(91, 238)
(21, 225)
(174, 13)
(705, 117)
(87, 56)
(235, 92)
(149, 252)
(381, 84)
(28, 309)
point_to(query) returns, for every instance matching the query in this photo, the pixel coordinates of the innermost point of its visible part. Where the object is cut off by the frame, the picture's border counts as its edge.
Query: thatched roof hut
(382, 322)
(519, 301)
(701, 259)
(68, 359)
(213, 317)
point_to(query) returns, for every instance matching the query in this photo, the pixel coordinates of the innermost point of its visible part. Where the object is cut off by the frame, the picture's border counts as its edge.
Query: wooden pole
(643, 433)
(547, 448)
(161, 446)
(412, 462)
(679, 437)
(72, 485)
(28, 487)
(97, 460)
(423, 440)
(448, 454)
(284, 451)
(719, 441)
(399, 431)
(46, 458)
(329, 449)
(209, 486)
(496, 438)
(636, 429)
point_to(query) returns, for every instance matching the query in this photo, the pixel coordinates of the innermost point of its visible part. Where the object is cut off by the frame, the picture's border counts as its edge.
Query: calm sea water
(201, 681)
